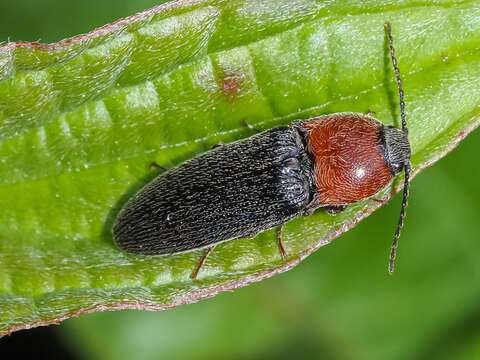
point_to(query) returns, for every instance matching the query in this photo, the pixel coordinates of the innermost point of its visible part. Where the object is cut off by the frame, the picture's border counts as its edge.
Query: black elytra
(240, 189)
(235, 190)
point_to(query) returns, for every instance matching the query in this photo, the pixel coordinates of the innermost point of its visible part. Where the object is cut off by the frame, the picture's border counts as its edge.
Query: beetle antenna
(398, 79)
(401, 220)
(403, 115)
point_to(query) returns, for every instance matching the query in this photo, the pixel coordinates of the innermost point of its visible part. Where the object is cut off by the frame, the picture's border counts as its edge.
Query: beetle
(239, 189)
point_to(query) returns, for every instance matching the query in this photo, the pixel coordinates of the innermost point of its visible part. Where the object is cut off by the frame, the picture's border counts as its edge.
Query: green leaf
(81, 120)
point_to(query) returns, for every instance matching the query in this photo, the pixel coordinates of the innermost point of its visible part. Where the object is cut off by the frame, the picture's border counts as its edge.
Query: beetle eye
(397, 167)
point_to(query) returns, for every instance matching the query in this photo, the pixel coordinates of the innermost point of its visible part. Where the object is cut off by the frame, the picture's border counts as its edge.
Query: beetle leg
(384, 200)
(335, 209)
(249, 126)
(202, 260)
(217, 145)
(153, 166)
(281, 246)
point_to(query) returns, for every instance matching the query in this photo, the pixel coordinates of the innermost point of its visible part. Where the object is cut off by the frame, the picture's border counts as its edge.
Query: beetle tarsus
(153, 166)
(202, 260)
(249, 126)
(332, 210)
(217, 145)
(379, 201)
(281, 245)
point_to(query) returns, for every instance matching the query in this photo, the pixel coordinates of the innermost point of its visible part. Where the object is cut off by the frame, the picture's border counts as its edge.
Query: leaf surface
(81, 120)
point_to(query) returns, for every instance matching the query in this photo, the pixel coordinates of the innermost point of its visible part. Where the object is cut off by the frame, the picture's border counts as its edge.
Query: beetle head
(397, 149)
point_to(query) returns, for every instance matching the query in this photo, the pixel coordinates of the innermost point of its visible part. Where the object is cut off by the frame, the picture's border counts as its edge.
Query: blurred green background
(338, 304)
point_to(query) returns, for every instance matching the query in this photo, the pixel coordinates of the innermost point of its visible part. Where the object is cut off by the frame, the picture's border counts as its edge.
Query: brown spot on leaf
(231, 85)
